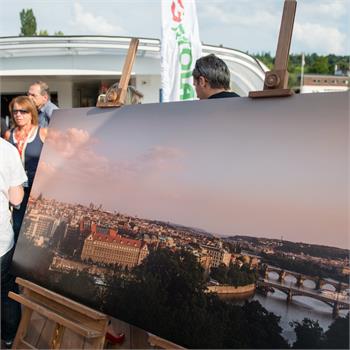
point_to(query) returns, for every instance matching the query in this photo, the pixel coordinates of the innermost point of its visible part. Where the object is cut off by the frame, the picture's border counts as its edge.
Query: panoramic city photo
(212, 224)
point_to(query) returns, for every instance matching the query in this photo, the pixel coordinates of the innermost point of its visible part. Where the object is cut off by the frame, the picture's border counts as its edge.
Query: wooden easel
(66, 314)
(117, 98)
(276, 80)
(86, 328)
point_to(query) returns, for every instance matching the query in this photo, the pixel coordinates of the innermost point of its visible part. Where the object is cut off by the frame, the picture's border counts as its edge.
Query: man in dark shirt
(211, 78)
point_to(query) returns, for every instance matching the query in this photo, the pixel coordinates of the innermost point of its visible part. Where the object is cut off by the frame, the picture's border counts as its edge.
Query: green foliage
(320, 66)
(337, 335)
(303, 266)
(309, 334)
(28, 23)
(314, 250)
(314, 64)
(166, 295)
(43, 32)
(234, 274)
(234, 248)
(262, 336)
(265, 57)
(29, 26)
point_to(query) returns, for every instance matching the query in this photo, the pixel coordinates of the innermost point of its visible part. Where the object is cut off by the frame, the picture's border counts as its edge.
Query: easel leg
(23, 327)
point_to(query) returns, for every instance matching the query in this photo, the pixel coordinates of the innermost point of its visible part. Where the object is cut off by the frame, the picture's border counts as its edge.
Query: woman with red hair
(28, 138)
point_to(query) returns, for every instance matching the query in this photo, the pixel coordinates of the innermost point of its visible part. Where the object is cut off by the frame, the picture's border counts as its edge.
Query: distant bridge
(291, 291)
(300, 278)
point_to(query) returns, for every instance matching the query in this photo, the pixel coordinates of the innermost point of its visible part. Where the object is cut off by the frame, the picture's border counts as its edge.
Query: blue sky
(321, 26)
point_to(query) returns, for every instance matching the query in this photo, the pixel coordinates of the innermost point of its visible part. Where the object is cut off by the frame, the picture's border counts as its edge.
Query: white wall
(149, 85)
(19, 85)
(307, 89)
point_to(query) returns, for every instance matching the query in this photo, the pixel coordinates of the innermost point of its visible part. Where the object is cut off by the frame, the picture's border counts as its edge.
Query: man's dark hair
(214, 70)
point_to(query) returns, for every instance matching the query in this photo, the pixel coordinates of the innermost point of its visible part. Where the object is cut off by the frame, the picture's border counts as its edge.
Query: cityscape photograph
(212, 225)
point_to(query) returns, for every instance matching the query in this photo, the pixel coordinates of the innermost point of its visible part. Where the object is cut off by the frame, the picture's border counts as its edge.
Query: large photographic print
(174, 217)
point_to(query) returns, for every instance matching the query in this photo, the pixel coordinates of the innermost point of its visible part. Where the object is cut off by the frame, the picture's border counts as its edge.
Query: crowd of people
(20, 149)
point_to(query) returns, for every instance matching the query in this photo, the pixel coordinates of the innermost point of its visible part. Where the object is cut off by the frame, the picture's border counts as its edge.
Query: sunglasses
(20, 111)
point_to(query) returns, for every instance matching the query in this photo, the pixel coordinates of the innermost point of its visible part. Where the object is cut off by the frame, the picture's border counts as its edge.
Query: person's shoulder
(7, 146)
(232, 94)
(7, 135)
(49, 108)
(52, 105)
(43, 134)
(223, 94)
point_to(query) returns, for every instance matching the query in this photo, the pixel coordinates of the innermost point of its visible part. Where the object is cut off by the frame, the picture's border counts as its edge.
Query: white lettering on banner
(180, 49)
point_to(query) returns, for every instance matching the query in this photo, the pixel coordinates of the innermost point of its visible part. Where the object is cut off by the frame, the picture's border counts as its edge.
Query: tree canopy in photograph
(167, 295)
(310, 335)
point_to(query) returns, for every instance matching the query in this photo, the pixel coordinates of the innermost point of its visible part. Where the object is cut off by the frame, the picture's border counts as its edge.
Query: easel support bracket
(276, 80)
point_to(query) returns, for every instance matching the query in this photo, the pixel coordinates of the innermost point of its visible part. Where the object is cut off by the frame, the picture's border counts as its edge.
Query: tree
(28, 23)
(337, 335)
(166, 296)
(309, 334)
(43, 32)
(29, 26)
(320, 66)
(262, 327)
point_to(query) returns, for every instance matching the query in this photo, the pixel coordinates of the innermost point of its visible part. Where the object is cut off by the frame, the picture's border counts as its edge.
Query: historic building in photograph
(105, 245)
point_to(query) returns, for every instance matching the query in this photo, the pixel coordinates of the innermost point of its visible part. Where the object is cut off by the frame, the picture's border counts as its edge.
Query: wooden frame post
(116, 98)
(276, 80)
(87, 323)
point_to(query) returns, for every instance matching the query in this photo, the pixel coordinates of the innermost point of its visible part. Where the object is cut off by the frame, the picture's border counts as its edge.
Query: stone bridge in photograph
(291, 291)
(300, 278)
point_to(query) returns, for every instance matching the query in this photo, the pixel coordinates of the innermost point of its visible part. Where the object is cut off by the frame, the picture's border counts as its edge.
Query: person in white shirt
(12, 176)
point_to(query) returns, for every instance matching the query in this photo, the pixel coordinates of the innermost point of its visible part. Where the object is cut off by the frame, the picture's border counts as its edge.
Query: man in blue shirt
(40, 95)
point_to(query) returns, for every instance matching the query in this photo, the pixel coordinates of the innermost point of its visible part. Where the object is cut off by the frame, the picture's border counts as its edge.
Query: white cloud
(331, 10)
(321, 25)
(97, 25)
(238, 15)
(318, 38)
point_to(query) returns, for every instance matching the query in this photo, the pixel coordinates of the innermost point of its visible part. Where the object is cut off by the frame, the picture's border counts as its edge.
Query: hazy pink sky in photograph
(267, 168)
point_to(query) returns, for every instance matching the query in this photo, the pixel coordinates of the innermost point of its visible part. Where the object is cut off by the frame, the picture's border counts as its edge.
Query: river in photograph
(298, 309)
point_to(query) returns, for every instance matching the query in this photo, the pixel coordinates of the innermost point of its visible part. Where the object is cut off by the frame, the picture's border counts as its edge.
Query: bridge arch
(309, 283)
(290, 278)
(273, 275)
(328, 286)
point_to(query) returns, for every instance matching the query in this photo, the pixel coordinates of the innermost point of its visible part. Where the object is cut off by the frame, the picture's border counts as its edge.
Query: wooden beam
(126, 73)
(116, 98)
(276, 80)
(285, 36)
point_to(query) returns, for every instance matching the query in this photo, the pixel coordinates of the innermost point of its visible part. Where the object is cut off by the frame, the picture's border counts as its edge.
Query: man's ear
(202, 81)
